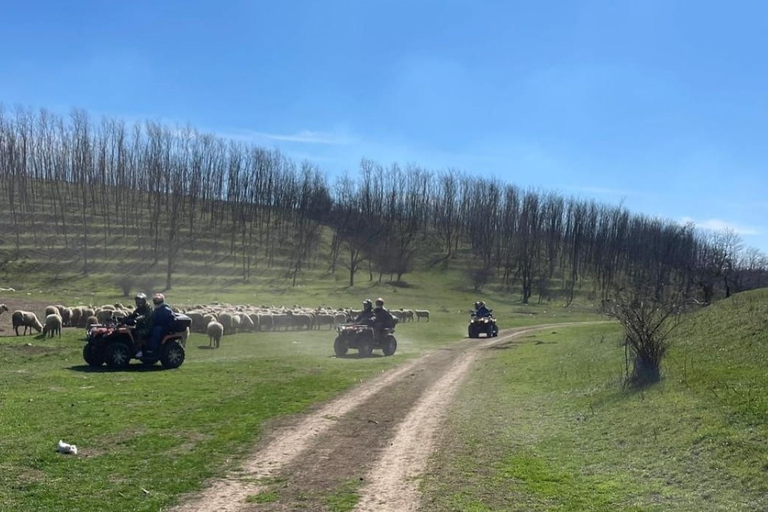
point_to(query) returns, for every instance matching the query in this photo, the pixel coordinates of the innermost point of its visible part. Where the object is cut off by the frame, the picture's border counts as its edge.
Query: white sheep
(52, 325)
(215, 331)
(422, 313)
(25, 319)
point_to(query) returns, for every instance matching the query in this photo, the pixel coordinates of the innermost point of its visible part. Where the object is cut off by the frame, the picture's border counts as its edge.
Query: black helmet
(477, 305)
(140, 299)
(367, 304)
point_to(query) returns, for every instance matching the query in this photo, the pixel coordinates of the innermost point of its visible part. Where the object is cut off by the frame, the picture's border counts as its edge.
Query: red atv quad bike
(116, 343)
(365, 339)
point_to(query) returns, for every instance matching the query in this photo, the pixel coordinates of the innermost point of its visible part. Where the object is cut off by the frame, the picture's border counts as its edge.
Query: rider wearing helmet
(142, 308)
(384, 319)
(367, 315)
(481, 310)
(162, 318)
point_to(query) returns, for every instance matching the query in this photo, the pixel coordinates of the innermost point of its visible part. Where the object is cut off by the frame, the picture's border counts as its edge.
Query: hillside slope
(559, 433)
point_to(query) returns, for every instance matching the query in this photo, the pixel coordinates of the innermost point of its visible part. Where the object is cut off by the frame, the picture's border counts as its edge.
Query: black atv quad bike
(482, 325)
(116, 343)
(365, 339)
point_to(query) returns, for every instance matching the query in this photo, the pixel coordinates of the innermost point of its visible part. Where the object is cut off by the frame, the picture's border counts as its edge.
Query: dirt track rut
(376, 437)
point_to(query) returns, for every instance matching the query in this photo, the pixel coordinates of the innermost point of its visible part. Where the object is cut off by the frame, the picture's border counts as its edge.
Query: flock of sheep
(215, 320)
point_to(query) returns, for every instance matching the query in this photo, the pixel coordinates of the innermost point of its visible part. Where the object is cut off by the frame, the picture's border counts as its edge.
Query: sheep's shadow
(139, 368)
(206, 347)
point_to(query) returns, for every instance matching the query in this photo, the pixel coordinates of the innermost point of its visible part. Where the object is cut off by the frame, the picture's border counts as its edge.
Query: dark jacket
(482, 311)
(144, 311)
(162, 317)
(384, 319)
(365, 317)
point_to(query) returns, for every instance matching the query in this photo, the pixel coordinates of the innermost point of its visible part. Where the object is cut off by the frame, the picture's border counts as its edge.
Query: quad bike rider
(482, 321)
(372, 329)
(145, 335)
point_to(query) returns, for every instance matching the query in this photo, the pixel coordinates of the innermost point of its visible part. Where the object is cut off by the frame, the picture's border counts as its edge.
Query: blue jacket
(482, 311)
(162, 317)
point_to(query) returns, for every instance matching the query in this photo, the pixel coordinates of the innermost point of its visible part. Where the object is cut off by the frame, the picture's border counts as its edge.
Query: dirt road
(376, 438)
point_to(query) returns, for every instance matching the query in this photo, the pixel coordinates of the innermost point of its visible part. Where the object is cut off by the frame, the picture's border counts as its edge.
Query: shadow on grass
(355, 355)
(84, 368)
(206, 347)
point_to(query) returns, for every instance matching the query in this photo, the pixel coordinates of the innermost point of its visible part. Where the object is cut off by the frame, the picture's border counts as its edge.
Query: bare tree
(648, 320)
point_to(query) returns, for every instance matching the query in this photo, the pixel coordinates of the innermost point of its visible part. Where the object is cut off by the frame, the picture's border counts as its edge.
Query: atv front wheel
(93, 355)
(365, 349)
(389, 346)
(172, 355)
(340, 347)
(118, 356)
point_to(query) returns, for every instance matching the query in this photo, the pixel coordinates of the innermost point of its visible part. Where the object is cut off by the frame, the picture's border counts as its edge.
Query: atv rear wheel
(340, 347)
(365, 349)
(471, 333)
(389, 346)
(93, 355)
(171, 354)
(118, 355)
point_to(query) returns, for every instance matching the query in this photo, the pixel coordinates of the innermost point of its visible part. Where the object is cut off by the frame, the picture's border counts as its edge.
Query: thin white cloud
(601, 191)
(302, 137)
(721, 225)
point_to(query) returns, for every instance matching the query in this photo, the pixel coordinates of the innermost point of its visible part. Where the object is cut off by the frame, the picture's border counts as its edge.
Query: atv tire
(172, 355)
(340, 347)
(93, 355)
(118, 355)
(389, 346)
(365, 349)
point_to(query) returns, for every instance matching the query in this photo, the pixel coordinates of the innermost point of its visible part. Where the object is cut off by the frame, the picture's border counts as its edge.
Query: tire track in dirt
(281, 446)
(376, 437)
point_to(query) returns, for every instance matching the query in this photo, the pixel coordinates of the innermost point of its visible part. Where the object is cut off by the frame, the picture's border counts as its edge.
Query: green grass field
(165, 432)
(542, 423)
(557, 432)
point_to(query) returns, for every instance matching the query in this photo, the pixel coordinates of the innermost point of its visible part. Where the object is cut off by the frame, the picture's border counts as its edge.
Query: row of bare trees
(172, 195)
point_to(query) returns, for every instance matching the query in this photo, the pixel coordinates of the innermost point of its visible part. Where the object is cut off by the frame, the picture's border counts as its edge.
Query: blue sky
(661, 105)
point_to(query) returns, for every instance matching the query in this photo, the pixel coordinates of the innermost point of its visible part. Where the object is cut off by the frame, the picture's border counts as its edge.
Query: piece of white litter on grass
(66, 448)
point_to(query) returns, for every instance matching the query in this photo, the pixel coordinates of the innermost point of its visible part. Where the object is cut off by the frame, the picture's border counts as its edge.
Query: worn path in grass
(372, 442)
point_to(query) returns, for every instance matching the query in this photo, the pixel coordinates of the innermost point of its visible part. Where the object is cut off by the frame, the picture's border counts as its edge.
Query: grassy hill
(558, 432)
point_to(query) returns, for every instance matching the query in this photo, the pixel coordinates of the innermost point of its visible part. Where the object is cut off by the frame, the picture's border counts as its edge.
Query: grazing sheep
(185, 337)
(25, 319)
(51, 310)
(91, 320)
(324, 319)
(225, 319)
(422, 313)
(246, 324)
(104, 315)
(66, 316)
(215, 331)
(75, 316)
(236, 323)
(52, 325)
(3, 308)
(266, 322)
(198, 324)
